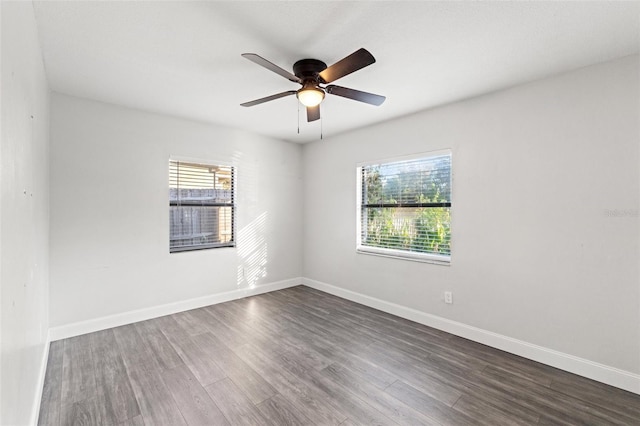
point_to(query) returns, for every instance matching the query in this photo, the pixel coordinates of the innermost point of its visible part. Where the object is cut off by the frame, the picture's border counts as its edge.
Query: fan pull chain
(321, 121)
(298, 116)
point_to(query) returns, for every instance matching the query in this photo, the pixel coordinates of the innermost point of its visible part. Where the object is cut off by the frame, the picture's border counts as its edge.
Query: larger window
(201, 206)
(405, 207)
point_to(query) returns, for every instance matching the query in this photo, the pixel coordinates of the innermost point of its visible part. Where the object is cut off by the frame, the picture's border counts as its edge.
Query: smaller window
(404, 208)
(201, 206)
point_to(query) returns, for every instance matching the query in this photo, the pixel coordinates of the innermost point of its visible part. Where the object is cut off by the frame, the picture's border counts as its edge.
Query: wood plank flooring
(302, 357)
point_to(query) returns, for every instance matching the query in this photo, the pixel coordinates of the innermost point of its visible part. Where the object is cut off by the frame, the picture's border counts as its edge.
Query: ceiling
(183, 58)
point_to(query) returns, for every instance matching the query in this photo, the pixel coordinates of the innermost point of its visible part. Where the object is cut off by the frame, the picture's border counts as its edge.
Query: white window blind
(201, 206)
(405, 208)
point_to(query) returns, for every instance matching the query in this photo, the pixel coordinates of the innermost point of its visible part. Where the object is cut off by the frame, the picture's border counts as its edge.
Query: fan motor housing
(308, 68)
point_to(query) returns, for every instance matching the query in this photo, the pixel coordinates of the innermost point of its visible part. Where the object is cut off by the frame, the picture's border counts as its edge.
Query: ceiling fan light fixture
(310, 96)
(311, 74)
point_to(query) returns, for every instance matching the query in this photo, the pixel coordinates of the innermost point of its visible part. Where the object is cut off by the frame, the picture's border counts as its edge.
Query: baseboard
(35, 411)
(573, 364)
(97, 324)
(583, 367)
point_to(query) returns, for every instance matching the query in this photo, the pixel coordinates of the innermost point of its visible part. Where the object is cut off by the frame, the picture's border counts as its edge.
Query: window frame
(233, 205)
(433, 258)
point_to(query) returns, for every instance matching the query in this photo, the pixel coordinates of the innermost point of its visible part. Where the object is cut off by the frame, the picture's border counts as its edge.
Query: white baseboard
(583, 367)
(97, 324)
(573, 364)
(35, 411)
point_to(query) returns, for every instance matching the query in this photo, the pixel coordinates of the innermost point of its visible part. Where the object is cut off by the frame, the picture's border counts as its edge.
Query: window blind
(201, 206)
(405, 206)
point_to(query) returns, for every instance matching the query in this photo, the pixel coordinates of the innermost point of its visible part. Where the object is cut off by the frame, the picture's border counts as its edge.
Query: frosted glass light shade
(310, 97)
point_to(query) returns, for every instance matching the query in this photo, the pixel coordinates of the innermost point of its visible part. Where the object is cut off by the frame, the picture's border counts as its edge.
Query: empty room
(319, 213)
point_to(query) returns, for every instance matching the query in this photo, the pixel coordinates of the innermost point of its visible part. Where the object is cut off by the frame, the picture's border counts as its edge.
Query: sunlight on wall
(252, 252)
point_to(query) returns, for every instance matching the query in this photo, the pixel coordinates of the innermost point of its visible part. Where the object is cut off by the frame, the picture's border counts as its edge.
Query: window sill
(201, 247)
(403, 255)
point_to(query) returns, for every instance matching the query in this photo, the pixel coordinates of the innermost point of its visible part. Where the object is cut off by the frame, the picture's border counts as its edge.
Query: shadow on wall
(252, 252)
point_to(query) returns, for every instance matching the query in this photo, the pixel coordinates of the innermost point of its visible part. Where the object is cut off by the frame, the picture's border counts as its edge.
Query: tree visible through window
(405, 207)
(201, 206)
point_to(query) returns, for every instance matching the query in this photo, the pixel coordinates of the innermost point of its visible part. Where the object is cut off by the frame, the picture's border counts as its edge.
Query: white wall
(24, 214)
(535, 255)
(110, 215)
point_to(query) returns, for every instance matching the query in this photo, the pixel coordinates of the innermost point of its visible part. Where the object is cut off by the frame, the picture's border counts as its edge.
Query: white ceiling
(183, 58)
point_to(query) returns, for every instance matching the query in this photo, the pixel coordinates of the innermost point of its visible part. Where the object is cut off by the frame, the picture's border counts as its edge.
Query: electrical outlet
(448, 297)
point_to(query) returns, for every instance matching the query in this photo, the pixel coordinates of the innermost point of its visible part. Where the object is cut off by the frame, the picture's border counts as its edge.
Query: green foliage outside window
(409, 226)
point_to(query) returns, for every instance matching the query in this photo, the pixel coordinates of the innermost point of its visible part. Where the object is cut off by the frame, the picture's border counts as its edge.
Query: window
(404, 208)
(201, 206)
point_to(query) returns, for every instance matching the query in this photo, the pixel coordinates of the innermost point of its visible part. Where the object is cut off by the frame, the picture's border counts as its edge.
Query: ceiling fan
(312, 73)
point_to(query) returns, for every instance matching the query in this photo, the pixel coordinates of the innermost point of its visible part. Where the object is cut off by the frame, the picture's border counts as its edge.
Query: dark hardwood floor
(300, 356)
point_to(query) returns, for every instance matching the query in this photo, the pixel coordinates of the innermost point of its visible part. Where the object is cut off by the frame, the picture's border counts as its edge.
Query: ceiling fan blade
(356, 95)
(268, 98)
(313, 113)
(357, 60)
(271, 66)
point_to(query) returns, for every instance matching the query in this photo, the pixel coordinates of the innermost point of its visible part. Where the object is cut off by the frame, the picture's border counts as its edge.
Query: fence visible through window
(201, 206)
